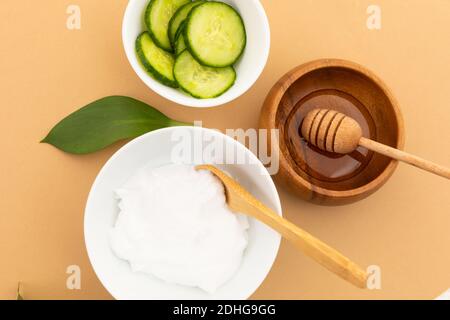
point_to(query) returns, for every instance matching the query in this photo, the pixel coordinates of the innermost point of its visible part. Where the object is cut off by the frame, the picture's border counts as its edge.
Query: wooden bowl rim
(292, 76)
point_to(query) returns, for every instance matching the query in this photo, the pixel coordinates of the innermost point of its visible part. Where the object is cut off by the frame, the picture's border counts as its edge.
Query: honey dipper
(240, 200)
(335, 132)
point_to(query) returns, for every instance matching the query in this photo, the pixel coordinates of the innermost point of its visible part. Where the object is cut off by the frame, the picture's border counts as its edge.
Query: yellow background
(48, 71)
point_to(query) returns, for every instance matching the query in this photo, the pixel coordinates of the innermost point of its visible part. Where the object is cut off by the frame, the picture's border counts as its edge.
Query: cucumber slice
(200, 81)
(179, 17)
(157, 17)
(180, 45)
(156, 61)
(180, 30)
(215, 34)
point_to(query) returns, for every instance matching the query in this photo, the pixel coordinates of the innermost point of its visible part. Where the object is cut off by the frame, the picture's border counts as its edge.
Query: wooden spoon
(332, 131)
(240, 200)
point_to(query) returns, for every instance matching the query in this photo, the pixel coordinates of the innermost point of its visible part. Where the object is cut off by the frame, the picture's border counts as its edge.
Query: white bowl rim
(273, 190)
(190, 101)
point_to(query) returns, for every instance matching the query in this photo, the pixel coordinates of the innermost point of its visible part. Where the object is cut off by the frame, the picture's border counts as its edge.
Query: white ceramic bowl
(156, 148)
(248, 68)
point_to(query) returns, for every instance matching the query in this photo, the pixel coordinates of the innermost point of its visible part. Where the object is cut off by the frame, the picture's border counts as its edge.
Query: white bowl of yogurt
(133, 266)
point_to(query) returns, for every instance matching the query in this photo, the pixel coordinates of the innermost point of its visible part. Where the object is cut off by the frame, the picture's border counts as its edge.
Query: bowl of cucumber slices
(197, 53)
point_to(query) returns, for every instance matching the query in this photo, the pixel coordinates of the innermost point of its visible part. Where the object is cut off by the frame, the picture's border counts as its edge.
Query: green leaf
(104, 122)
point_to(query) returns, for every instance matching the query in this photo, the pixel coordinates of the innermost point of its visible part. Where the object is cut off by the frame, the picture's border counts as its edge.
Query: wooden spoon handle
(405, 157)
(312, 247)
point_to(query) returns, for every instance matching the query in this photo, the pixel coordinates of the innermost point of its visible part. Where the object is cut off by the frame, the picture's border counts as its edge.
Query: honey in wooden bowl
(326, 168)
(319, 176)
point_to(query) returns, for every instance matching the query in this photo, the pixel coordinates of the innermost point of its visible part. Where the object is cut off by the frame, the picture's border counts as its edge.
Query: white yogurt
(174, 224)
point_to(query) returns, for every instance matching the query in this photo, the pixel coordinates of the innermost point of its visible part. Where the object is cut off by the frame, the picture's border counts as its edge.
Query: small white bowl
(248, 68)
(156, 148)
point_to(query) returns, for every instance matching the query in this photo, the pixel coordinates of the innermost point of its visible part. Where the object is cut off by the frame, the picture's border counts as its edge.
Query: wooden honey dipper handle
(332, 131)
(240, 200)
(405, 157)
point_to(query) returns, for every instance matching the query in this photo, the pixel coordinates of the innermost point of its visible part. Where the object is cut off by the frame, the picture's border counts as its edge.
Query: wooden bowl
(326, 178)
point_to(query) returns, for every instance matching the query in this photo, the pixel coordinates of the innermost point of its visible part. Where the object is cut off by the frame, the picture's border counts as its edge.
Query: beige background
(47, 72)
